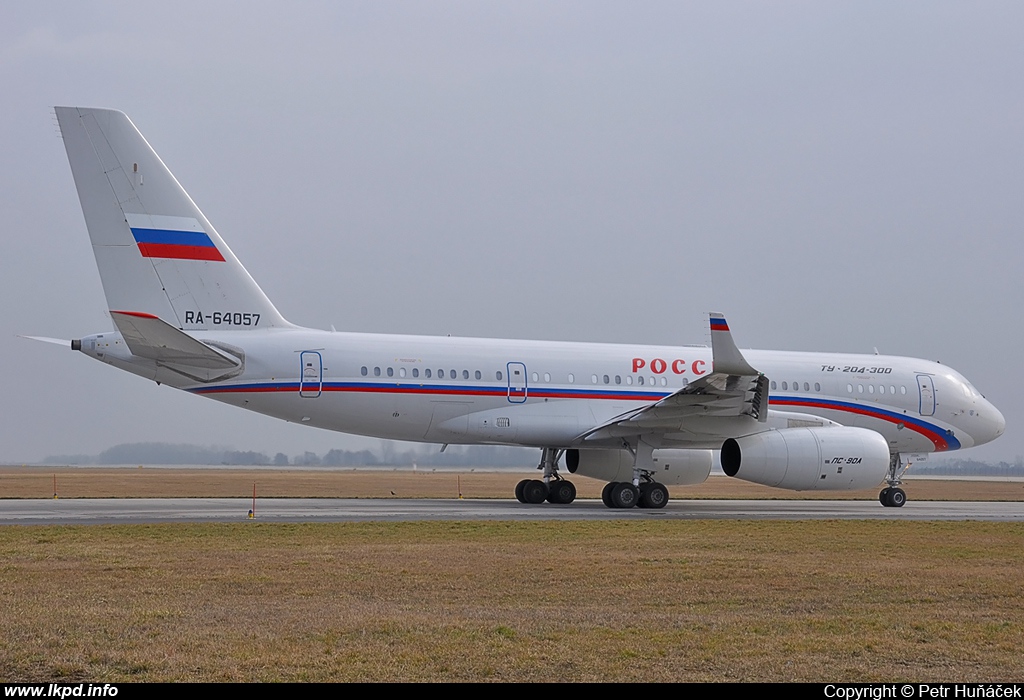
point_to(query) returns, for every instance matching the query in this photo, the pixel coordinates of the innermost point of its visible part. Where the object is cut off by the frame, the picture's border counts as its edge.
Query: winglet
(727, 358)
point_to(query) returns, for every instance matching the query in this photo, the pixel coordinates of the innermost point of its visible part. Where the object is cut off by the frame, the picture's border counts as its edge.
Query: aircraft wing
(148, 336)
(733, 389)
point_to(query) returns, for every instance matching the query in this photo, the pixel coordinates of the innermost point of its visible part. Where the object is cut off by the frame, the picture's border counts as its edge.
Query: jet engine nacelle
(809, 459)
(672, 467)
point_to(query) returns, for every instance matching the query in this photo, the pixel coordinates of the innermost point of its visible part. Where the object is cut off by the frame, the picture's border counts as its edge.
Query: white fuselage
(550, 394)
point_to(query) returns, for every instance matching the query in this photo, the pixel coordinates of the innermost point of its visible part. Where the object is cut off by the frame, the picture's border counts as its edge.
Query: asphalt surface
(85, 511)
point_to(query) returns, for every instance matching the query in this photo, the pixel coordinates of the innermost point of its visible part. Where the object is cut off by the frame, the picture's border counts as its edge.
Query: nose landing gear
(893, 496)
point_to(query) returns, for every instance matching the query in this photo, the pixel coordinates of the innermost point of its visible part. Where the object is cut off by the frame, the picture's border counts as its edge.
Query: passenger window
(618, 379)
(774, 386)
(593, 378)
(497, 375)
(606, 381)
(391, 371)
(465, 374)
(415, 372)
(376, 371)
(534, 377)
(547, 376)
(362, 371)
(860, 388)
(849, 388)
(426, 373)
(640, 381)
(807, 387)
(629, 379)
(664, 381)
(477, 374)
(572, 378)
(817, 386)
(401, 371)
(785, 386)
(453, 374)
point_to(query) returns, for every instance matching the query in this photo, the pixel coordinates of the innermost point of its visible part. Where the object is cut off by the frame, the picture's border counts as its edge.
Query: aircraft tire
(883, 497)
(519, 491)
(561, 492)
(534, 491)
(606, 497)
(653, 495)
(897, 498)
(624, 495)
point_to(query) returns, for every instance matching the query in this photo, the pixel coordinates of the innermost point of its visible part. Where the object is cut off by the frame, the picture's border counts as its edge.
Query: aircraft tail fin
(156, 252)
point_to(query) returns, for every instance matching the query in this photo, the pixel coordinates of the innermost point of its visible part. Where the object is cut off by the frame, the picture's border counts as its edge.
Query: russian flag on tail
(175, 237)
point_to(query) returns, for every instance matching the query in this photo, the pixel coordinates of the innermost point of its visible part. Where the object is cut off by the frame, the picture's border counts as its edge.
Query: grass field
(566, 601)
(663, 601)
(628, 601)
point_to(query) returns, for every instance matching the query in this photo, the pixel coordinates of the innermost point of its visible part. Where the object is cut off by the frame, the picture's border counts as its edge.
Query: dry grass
(38, 482)
(629, 601)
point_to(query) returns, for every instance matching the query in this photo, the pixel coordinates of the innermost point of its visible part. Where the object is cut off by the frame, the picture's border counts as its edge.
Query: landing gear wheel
(561, 491)
(892, 497)
(606, 494)
(624, 495)
(653, 495)
(519, 490)
(534, 491)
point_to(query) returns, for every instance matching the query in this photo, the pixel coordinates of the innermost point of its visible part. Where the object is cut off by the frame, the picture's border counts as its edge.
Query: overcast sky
(831, 176)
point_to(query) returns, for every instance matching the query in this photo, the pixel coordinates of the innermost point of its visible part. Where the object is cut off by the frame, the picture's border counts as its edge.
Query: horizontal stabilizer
(148, 336)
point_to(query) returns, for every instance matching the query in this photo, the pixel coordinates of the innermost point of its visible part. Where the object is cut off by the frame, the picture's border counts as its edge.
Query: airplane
(639, 417)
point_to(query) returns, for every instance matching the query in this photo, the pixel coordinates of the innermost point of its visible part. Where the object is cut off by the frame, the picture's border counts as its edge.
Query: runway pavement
(155, 510)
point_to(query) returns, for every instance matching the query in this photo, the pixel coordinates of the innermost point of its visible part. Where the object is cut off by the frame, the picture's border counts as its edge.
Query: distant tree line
(390, 455)
(968, 467)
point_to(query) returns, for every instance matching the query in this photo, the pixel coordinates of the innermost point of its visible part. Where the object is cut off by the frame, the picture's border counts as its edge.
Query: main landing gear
(553, 488)
(643, 491)
(893, 496)
(623, 494)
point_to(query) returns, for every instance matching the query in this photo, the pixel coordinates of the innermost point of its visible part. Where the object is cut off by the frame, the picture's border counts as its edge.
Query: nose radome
(1000, 422)
(993, 426)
